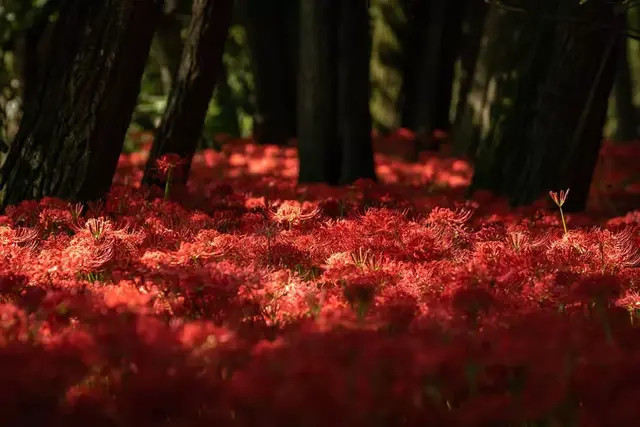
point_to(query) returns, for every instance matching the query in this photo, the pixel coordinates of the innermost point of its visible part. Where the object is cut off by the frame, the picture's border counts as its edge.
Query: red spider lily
(169, 165)
(559, 199)
(25, 236)
(390, 306)
(291, 214)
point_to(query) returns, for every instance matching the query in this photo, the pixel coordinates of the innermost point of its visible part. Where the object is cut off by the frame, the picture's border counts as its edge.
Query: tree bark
(502, 103)
(432, 50)
(200, 67)
(334, 118)
(512, 55)
(272, 29)
(567, 132)
(450, 48)
(73, 128)
(354, 117)
(548, 137)
(318, 146)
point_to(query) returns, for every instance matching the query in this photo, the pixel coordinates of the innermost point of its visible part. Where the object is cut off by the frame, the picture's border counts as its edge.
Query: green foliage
(389, 21)
(15, 17)
(231, 108)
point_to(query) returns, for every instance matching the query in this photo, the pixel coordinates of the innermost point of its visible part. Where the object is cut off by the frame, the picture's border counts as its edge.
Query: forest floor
(257, 302)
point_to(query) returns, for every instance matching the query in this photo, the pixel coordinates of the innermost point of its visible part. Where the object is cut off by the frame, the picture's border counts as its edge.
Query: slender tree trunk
(318, 146)
(627, 127)
(517, 61)
(273, 44)
(566, 134)
(511, 66)
(73, 128)
(334, 118)
(354, 117)
(450, 49)
(201, 65)
(548, 135)
(430, 67)
(427, 21)
(432, 50)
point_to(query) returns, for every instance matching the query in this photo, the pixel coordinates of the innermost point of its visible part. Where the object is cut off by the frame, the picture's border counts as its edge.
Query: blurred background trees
(524, 88)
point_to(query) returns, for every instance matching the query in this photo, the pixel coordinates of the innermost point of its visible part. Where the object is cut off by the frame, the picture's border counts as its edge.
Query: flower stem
(167, 185)
(564, 223)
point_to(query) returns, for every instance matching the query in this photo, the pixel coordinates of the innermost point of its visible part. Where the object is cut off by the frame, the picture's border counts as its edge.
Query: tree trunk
(627, 128)
(183, 119)
(502, 104)
(450, 48)
(422, 67)
(272, 30)
(555, 128)
(354, 117)
(432, 50)
(567, 132)
(318, 146)
(72, 130)
(512, 55)
(334, 118)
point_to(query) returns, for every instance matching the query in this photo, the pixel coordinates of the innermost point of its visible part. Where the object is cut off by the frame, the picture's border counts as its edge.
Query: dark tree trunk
(432, 50)
(450, 48)
(333, 92)
(73, 128)
(502, 102)
(354, 117)
(559, 138)
(511, 65)
(429, 67)
(318, 146)
(273, 28)
(474, 16)
(422, 59)
(572, 109)
(183, 120)
(627, 127)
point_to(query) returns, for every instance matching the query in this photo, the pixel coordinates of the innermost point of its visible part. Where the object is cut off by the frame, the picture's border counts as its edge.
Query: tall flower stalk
(559, 200)
(166, 166)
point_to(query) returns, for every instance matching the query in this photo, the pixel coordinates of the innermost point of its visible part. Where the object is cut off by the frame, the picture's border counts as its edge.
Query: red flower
(559, 199)
(170, 162)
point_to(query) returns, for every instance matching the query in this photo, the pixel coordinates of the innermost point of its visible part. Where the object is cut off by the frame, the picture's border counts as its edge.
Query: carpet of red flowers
(251, 301)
